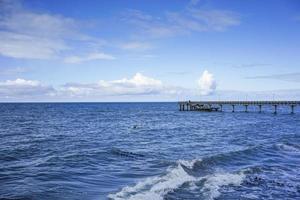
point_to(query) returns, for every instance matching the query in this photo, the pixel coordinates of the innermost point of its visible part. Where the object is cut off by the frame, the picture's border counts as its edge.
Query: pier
(218, 105)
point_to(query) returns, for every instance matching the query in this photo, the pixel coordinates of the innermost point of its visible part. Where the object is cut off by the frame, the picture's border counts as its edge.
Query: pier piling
(259, 108)
(275, 109)
(246, 108)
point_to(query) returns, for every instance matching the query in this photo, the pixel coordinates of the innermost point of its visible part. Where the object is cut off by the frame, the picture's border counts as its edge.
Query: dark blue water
(146, 151)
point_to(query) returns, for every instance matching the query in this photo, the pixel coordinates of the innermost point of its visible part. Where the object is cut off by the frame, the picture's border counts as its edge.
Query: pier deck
(218, 105)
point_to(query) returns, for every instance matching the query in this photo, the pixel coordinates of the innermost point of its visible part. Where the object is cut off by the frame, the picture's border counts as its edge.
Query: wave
(123, 153)
(288, 147)
(214, 182)
(155, 188)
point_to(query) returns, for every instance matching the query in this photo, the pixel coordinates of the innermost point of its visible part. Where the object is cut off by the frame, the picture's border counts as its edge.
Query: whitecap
(289, 148)
(189, 164)
(214, 183)
(155, 188)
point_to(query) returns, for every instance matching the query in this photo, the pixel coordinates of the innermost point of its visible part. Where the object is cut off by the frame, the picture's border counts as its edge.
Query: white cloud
(89, 57)
(148, 24)
(189, 20)
(25, 22)
(7, 71)
(21, 88)
(20, 82)
(26, 34)
(139, 80)
(263, 95)
(135, 88)
(193, 2)
(215, 20)
(207, 83)
(34, 35)
(137, 85)
(292, 77)
(29, 47)
(135, 46)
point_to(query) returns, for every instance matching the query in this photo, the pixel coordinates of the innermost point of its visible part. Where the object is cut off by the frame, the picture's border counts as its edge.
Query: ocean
(147, 151)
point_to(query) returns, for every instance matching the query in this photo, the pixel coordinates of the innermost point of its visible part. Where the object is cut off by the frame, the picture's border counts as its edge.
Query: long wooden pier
(218, 105)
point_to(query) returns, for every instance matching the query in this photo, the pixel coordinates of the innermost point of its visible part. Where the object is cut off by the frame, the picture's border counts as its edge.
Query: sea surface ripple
(146, 151)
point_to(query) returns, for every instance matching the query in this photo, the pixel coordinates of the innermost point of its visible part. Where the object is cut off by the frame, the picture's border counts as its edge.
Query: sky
(149, 50)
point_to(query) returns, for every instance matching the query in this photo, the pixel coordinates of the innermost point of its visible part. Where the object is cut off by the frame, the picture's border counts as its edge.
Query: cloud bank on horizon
(137, 88)
(137, 85)
(49, 52)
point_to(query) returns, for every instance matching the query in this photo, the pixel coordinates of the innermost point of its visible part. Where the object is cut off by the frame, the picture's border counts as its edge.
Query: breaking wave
(155, 188)
(213, 183)
(288, 147)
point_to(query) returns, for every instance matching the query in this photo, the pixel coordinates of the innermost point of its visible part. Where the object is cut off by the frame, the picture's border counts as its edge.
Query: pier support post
(232, 108)
(275, 109)
(259, 108)
(246, 108)
(292, 109)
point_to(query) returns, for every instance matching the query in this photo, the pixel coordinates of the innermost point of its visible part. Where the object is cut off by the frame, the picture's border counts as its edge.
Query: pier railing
(218, 105)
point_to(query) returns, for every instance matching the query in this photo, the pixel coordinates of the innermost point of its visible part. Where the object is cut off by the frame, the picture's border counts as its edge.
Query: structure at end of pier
(218, 105)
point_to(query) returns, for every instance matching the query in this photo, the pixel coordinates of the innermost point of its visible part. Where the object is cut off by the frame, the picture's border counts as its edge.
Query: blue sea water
(146, 151)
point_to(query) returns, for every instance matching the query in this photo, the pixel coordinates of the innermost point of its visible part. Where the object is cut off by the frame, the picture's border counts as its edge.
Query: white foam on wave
(214, 183)
(188, 163)
(250, 196)
(155, 188)
(289, 148)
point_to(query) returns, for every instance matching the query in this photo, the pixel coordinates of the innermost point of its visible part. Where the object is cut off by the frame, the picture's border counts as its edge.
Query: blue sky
(149, 50)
